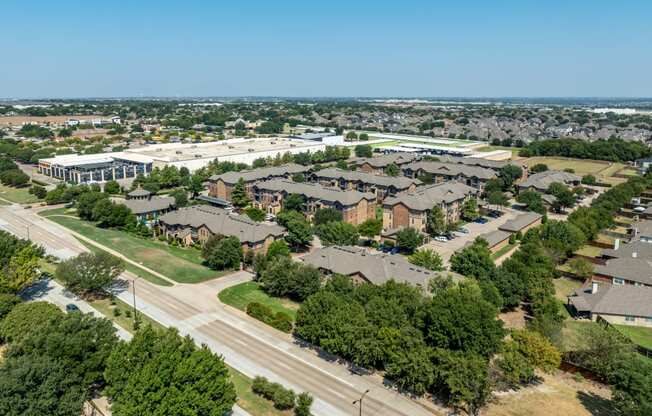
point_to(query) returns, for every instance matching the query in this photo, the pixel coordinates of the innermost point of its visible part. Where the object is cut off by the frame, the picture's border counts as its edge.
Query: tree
(90, 273)
(632, 386)
(256, 214)
(239, 196)
(22, 270)
(284, 277)
(470, 209)
(589, 180)
(325, 215)
(538, 168)
(392, 170)
(497, 198)
(582, 268)
(464, 381)
(436, 221)
(278, 248)
(27, 318)
(363, 150)
(351, 135)
(510, 174)
(427, 258)
(86, 204)
(180, 198)
(299, 232)
(564, 196)
(538, 350)
(533, 201)
(304, 401)
(161, 373)
(294, 202)
(112, 187)
(408, 239)
(370, 228)
(337, 233)
(195, 185)
(222, 253)
(7, 303)
(38, 191)
(474, 260)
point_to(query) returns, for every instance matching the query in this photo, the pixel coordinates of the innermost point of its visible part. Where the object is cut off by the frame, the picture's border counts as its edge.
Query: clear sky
(482, 48)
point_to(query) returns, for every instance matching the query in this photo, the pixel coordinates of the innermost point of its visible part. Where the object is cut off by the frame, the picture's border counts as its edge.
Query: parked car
(481, 220)
(463, 230)
(640, 209)
(71, 307)
(441, 238)
(395, 250)
(495, 214)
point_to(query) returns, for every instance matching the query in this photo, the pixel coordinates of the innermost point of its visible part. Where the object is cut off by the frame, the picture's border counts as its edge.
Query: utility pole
(360, 401)
(27, 227)
(133, 286)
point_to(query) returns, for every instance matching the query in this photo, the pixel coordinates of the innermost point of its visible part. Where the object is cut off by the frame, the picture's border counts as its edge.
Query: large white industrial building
(102, 167)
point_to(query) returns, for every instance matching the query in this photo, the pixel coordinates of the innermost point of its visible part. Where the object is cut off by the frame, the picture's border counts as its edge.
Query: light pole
(27, 228)
(133, 286)
(360, 401)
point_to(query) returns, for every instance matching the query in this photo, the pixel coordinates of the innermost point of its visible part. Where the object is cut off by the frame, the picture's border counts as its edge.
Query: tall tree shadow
(596, 405)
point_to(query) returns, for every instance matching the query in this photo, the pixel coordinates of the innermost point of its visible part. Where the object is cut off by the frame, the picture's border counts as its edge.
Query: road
(246, 344)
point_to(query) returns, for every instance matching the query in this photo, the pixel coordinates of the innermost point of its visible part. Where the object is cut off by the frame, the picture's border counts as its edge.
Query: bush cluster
(279, 320)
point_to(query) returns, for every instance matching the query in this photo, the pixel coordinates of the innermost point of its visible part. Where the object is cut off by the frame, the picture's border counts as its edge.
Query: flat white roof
(77, 159)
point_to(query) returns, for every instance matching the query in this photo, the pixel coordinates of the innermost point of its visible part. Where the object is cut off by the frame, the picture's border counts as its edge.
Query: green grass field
(639, 335)
(239, 296)
(17, 195)
(580, 166)
(181, 264)
(589, 251)
(108, 308)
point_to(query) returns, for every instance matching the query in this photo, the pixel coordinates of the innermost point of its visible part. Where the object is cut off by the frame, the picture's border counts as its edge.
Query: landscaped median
(183, 265)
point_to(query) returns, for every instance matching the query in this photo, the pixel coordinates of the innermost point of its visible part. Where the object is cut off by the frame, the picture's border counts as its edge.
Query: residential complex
(147, 207)
(378, 164)
(541, 181)
(471, 175)
(380, 185)
(221, 186)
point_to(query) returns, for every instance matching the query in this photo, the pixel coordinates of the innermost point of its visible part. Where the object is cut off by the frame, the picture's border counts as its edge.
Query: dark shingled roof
(140, 192)
(399, 182)
(153, 204)
(628, 300)
(541, 181)
(425, 197)
(451, 169)
(260, 174)
(520, 222)
(315, 191)
(634, 269)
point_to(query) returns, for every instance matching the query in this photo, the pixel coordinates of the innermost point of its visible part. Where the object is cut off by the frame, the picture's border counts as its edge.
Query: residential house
(634, 270)
(199, 222)
(410, 209)
(473, 176)
(622, 305)
(356, 207)
(380, 185)
(147, 207)
(221, 186)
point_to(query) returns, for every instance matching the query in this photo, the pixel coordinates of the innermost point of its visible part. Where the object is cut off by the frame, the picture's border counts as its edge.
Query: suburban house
(380, 185)
(377, 165)
(633, 270)
(634, 249)
(622, 305)
(356, 207)
(199, 222)
(522, 223)
(363, 267)
(541, 181)
(642, 231)
(410, 209)
(145, 206)
(221, 186)
(473, 176)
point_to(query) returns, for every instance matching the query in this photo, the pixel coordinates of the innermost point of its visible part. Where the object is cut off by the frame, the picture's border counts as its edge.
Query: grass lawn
(502, 251)
(125, 317)
(181, 264)
(239, 296)
(564, 286)
(580, 166)
(572, 334)
(589, 251)
(639, 335)
(17, 195)
(248, 400)
(491, 148)
(602, 238)
(143, 274)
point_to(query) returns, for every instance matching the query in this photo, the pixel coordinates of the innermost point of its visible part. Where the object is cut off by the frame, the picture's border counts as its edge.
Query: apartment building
(380, 185)
(470, 175)
(410, 209)
(221, 186)
(378, 164)
(356, 207)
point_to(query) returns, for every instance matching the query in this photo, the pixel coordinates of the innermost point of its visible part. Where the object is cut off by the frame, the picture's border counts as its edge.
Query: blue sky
(487, 48)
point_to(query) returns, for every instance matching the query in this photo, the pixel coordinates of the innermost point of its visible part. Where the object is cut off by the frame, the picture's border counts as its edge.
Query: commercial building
(471, 175)
(410, 209)
(622, 305)
(380, 185)
(356, 207)
(129, 163)
(221, 186)
(198, 223)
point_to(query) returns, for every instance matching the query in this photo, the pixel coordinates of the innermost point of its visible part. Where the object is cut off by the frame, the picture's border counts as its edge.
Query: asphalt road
(247, 345)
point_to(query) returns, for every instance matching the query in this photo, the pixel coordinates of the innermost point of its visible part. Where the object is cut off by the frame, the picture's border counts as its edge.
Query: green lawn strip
(589, 251)
(639, 335)
(108, 308)
(239, 296)
(250, 401)
(181, 264)
(142, 273)
(17, 195)
(502, 251)
(57, 211)
(564, 286)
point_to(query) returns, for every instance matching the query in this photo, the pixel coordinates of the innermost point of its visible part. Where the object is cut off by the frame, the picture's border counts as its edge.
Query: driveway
(446, 249)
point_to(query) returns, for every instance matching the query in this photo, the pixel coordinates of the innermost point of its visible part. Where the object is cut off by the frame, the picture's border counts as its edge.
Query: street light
(133, 286)
(360, 401)
(27, 228)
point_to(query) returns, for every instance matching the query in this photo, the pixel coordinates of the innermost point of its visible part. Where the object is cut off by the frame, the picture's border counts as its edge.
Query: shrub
(283, 398)
(278, 320)
(7, 303)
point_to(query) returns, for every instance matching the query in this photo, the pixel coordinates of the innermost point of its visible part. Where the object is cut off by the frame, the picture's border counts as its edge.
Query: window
(630, 319)
(619, 281)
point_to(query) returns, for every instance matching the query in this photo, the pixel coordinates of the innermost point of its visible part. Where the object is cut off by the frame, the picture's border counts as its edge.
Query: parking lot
(447, 248)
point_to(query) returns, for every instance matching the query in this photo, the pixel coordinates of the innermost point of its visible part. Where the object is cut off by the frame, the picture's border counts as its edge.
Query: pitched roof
(495, 237)
(139, 192)
(399, 182)
(478, 161)
(451, 169)
(642, 249)
(615, 300)
(153, 204)
(315, 191)
(260, 174)
(542, 180)
(642, 228)
(517, 224)
(634, 269)
(221, 222)
(425, 197)
(376, 268)
(386, 160)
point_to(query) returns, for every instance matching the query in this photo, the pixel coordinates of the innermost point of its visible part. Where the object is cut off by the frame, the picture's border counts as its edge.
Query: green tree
(392, 170)
(112, 187)
(22, 270)
(510, 174)
(351, 135)
(304, 401)
(436, 221)
(299, 232)
(27, 318)
(474, 260)
(256, 214)
(16, 178)
(589, 180)
(294, 202)
(564, 196)
(278, 248)
(497, 198)
(427, 258)
(533, 201)
(470, 209)
(284, 277)
(363, 150)
(180, 198)
(408, 239)
(337, 233)
(161, 372)
(7, 303)
(38, 191)
(538, 168)
(370, 228)
(222, 253)
(239, 196)
(464, 381)
(89, 273)
(325, 215)
(86, 204)
(582, 268)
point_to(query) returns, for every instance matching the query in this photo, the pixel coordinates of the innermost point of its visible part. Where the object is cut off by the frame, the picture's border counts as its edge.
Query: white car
(441, 238)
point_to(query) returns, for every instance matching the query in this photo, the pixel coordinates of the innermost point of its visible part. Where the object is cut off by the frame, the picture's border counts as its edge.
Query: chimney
(617, 244)
(634, 255)
(594, 288)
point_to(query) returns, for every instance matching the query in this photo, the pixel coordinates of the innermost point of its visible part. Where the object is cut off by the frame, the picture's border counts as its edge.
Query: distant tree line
(612, 149)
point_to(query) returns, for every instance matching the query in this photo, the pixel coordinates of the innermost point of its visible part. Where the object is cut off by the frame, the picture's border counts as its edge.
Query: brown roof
(451, 169)
(627, 300)
(517, 224)
(153, 204)
(386, 160)
(399, 182)
(541, 181)
(425, 197)
(634, 269)
(315, 191)
(260, 174)
(495, 237)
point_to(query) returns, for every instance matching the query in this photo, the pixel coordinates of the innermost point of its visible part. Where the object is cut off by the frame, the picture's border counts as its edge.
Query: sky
(335, 48)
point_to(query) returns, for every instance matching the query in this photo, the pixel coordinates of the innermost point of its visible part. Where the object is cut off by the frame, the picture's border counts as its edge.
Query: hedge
(279, 320)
